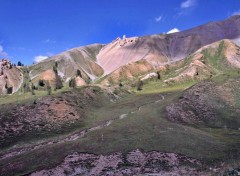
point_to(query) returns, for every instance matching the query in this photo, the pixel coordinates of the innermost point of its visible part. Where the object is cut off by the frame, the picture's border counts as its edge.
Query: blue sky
(35, 29)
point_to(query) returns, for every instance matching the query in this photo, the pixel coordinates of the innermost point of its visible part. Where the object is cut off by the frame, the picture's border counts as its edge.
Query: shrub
(26, 87)
(41, 83)
(59, 83)
(79, 73)
(55, 69)
(139, 85)
(49, 90)
(72, 83)
(33, 92)
(159, 76)
(9, 90)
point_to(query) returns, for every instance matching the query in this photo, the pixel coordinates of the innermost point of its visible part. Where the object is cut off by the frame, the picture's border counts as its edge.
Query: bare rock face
(81, 58)
(10, 77)
(135, 162)
(163, 49)
(129, 71)
(48, 76)
(80, 81)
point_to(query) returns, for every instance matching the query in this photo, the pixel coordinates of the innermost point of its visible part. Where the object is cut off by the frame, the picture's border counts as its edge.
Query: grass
(217, 60)
(20, 97)
(160, 87)
(147, 129)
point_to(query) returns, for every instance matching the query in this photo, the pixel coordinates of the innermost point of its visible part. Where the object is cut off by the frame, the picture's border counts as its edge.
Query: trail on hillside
(74, 136)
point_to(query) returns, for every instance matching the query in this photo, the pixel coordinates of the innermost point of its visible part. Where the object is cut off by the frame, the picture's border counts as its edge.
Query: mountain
(162, 49)
(81, 112)
(98, 60)
(82, 58)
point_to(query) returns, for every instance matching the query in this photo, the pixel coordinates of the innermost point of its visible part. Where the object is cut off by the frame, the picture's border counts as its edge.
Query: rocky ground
(118, 164)
(48, 114)
(203, 102)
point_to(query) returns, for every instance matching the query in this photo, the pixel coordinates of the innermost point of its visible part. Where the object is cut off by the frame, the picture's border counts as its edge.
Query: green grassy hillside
(141, 121)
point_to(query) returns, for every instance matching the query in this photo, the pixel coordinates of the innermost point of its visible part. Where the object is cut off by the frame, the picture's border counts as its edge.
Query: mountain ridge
(97, 61)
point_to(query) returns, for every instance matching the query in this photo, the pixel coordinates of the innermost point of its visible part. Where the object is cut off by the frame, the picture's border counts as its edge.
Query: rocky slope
(132, 163)
(210, 60)
(11, 77)
(49, 114)
(162, 49)
(157, 50)
(128, 72)
(82, 58)
(209, 102)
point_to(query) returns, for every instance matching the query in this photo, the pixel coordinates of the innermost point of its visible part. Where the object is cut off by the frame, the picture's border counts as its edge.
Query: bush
(41, 83)
(55, 69)
(72, 83)
(26, 87)
(49, 90)
(139, 85)
(159, 76)
(59, 84)
(9, 90)
(79, 73)
(33, 92)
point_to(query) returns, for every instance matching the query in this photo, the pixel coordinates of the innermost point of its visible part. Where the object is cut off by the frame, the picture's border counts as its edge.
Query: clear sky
(31, 29)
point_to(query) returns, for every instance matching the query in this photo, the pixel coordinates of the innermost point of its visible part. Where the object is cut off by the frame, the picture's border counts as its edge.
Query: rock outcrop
(80, 81)
(133, 163)
(164, 49)
(11, 77)
(129, 72)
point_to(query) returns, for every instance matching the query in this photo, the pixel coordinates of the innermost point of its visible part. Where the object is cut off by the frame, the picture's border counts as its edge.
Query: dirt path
(74, 136)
